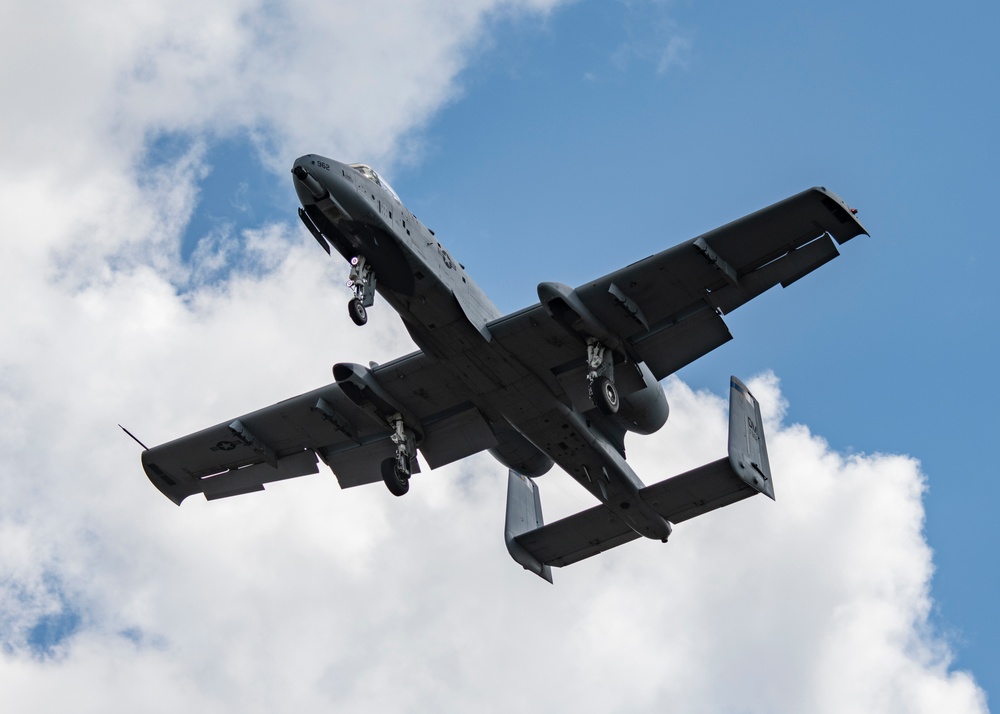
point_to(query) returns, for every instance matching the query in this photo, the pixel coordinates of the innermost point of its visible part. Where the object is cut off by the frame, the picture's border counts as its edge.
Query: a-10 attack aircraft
(559, 382)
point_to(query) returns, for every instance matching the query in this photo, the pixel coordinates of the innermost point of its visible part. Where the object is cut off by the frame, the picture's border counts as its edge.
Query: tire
(357, 312)
(397, 483)
(605, 395)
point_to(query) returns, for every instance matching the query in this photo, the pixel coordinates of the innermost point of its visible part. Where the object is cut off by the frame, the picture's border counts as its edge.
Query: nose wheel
(356, 309)
(362, 282)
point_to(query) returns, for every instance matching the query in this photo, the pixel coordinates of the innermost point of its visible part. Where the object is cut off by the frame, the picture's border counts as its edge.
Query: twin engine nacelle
(644, 411)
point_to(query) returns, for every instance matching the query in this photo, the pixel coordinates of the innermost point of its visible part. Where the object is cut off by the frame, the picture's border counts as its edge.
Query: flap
(670, 348)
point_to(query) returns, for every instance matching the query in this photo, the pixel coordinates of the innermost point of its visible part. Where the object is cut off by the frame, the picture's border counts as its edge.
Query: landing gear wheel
(357, 311)
(396, 481)
(605, 395)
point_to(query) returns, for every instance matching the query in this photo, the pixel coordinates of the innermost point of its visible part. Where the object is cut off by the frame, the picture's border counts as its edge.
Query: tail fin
(747, 451)
(524, 513)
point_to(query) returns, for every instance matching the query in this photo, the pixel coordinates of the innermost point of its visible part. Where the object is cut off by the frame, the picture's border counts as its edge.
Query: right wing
(283, 440)
(666, 309)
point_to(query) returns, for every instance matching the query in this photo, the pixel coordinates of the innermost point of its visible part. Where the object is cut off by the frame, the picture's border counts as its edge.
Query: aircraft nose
(318, 179)
(307, 185)
(302, 164)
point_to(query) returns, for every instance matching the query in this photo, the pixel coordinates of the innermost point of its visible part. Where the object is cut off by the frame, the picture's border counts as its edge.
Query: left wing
(284, 440)
(666, 310)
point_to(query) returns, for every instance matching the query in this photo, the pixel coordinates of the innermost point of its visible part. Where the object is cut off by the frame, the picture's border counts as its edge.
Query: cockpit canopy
(369, 173)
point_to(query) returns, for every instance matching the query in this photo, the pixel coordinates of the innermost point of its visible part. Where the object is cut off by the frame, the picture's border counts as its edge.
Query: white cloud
(316, 597)
(653, 35)
(675, 54)
(306, 596)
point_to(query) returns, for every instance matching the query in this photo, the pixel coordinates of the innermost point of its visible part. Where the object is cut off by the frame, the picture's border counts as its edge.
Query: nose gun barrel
(311, 184)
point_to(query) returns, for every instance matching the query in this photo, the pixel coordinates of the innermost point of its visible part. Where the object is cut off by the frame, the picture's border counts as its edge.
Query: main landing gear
(600, 378)
(362, 281)
(396, 470)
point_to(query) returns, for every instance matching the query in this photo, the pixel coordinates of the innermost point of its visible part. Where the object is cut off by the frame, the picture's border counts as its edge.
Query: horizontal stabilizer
(576, 537)
(744, 473)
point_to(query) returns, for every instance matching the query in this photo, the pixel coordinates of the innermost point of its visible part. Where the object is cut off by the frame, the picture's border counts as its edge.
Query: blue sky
(887, 349)
(541, 141)
(572, 149)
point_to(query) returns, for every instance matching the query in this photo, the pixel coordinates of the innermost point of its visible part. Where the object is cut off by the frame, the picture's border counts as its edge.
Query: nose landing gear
(356, 309)
(362, 282)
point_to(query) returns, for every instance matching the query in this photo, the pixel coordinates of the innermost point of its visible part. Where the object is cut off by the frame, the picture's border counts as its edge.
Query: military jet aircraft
(560, 382)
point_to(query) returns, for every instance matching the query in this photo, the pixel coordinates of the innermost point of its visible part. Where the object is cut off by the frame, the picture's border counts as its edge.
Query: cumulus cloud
(306, 596)
(88, 87)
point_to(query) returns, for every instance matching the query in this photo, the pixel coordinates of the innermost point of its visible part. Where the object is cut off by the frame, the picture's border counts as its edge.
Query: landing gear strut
(362, 281)
(396, 470)
(600, 378)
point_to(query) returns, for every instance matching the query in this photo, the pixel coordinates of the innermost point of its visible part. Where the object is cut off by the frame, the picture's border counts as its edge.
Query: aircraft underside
(559, 382)
(505, 390)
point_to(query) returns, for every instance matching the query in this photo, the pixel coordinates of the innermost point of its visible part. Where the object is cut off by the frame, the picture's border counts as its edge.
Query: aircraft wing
(286, 439)
(667, 308)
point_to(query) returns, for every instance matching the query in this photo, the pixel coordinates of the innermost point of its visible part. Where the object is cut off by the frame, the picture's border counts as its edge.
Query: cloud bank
(306, 596)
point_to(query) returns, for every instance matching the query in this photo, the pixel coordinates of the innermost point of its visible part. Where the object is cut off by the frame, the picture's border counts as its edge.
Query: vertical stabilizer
(747, 450)
(524, 513)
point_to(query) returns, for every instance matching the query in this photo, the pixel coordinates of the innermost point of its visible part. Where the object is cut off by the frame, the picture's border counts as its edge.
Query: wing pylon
(538, 547)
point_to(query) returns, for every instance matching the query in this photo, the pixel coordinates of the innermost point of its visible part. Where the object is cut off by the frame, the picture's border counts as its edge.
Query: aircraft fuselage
(350, 209)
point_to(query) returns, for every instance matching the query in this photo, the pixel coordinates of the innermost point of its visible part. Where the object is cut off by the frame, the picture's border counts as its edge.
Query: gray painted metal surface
(560, 382)
(744, 473)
